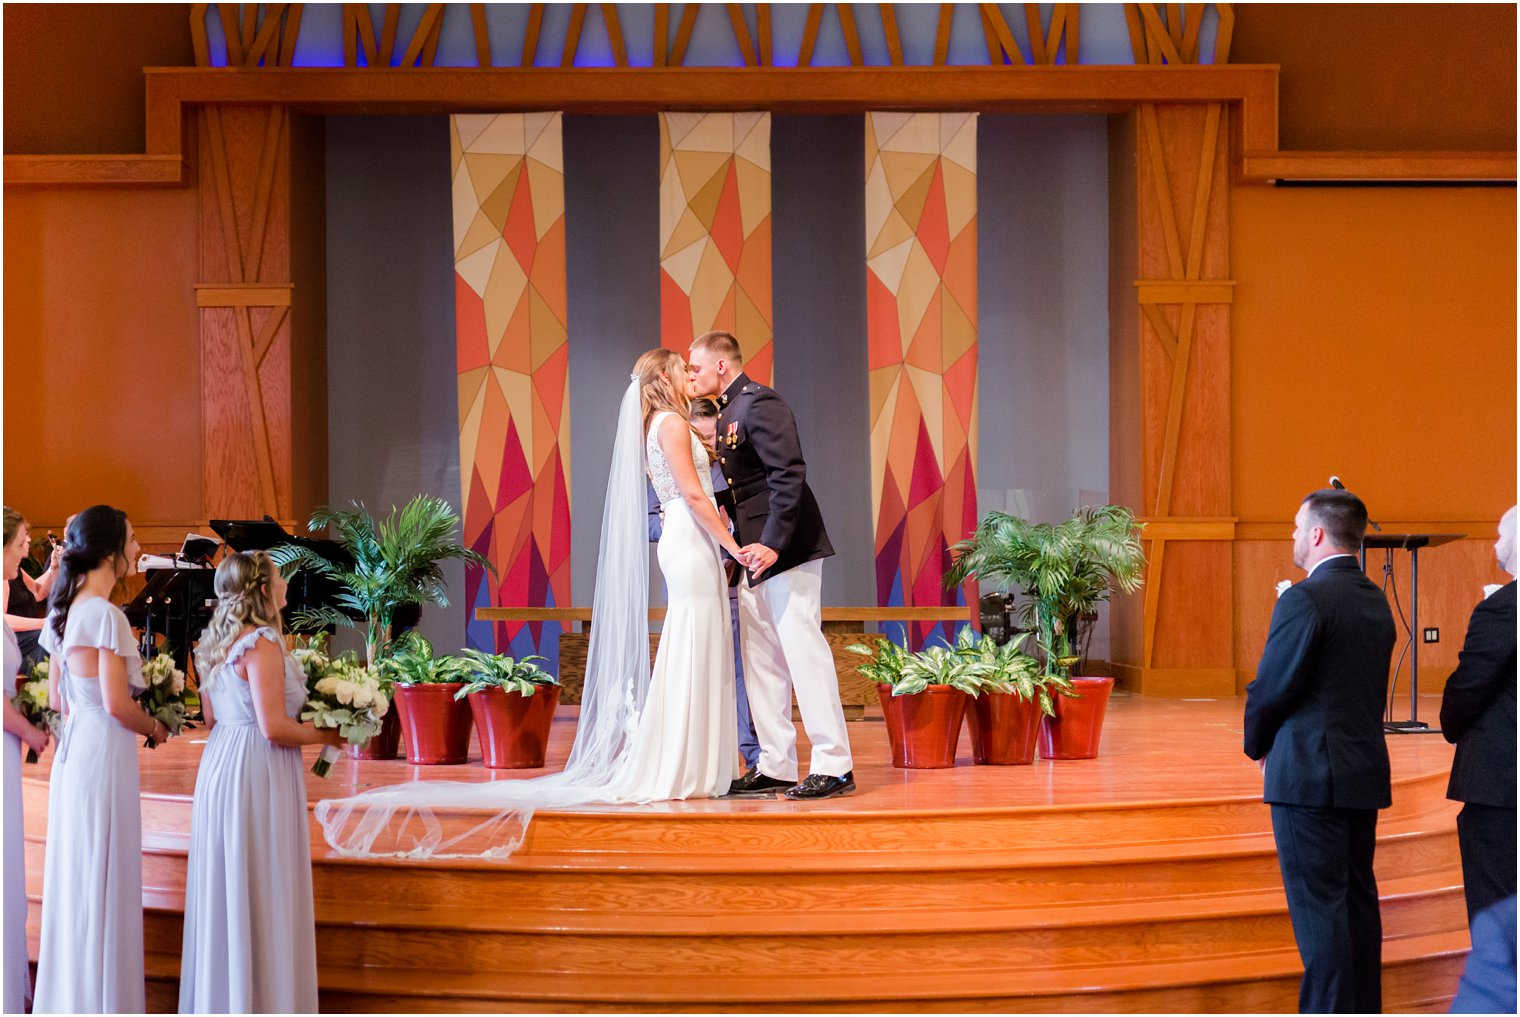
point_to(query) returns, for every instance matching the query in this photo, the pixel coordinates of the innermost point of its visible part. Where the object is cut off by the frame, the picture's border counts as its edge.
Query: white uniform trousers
(781, 636)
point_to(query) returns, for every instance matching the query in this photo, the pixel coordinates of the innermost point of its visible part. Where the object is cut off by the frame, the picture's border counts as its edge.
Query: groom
(776, 519)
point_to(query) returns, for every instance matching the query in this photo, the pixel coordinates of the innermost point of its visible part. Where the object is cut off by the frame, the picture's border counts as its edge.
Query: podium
(1389, 544)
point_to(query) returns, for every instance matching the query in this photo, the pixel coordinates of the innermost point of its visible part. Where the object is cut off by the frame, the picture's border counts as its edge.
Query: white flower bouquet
(346, 696)
(167, 698)
(31, 699)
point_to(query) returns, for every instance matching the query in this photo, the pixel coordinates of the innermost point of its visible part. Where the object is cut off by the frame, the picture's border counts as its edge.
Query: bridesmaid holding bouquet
(91, 956)
(250, 932)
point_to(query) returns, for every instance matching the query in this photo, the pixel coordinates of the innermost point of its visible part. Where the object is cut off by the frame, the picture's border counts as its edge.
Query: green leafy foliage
(498, 671)
(396, 561)
(1064, 570)
(411, 662)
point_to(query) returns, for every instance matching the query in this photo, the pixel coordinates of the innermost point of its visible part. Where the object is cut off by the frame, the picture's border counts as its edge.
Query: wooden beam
(388, 29)
(530, 34)
(482, 35)
(989, 36)
(1156, 34)
(889, 32)
(1136, 26)
(1226, 33)
(1073, 34)
(1478, 167)
(426, 35)
(1189, 48)
(661, 33)
(291, 35)
(615, 34)
(942, 33)
(200, 42)
(1180, 291)
(231, 31)
(1037, 51)
(810, 35)
(683, 33)
(573, 35)
(741, 33)
(1004, 33)
(851, 35)
(95, 171)
(763, 37)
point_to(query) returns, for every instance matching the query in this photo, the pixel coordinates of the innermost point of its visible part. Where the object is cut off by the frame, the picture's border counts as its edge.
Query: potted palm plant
(394, 561)
(1064, 571)
(435, 723)
(513, 704)
(923, 699)
(1004, 719)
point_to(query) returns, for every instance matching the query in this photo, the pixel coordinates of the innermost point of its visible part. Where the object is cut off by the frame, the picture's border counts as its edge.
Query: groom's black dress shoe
(820, 785)
(756, 782)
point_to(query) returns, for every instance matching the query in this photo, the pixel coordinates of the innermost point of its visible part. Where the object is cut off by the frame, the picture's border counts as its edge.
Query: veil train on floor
(490, 819)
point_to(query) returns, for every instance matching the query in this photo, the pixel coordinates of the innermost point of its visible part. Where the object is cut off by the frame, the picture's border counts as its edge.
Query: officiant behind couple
(670, 735)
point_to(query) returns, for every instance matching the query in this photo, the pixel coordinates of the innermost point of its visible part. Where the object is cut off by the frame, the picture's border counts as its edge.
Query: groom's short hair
(722, 344)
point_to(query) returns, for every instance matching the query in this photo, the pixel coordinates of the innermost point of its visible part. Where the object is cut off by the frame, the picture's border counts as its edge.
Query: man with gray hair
(1478, 716)
(1314, 722)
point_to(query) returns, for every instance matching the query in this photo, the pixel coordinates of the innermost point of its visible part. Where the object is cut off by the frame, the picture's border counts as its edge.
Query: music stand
(172, 595)
(1411, 542)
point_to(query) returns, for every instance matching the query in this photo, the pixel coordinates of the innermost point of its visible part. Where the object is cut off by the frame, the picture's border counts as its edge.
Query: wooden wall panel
(245, 294)
(102, 381)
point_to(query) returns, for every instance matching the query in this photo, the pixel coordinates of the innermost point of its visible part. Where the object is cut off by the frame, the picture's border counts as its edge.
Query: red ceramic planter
(1074, 731)
(514, 729)
(924, 727)
(437, 728)
(384, 745)
(1004, 728)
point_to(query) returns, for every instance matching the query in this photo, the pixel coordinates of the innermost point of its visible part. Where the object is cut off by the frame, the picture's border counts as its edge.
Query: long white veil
(489, 820)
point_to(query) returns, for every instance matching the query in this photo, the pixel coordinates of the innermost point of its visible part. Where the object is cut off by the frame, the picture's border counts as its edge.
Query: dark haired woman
(17, 974)
(91, 956)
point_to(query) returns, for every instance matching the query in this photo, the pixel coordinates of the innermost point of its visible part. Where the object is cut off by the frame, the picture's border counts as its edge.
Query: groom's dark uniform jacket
(761, 457)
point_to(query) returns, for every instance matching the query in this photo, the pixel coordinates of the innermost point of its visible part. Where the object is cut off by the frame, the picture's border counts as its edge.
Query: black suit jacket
(1315, 710)
(761, 457)
(1478, 708)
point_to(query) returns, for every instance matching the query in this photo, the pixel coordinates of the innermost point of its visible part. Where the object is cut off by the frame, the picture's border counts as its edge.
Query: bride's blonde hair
(242, 599)
(662, 387)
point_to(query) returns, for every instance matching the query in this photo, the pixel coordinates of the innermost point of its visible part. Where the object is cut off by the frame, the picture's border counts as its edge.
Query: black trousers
(1486, 836)
(1326, 861)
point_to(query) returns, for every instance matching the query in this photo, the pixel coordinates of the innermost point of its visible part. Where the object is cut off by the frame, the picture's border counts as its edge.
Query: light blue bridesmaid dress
(91, 956)
(17, 976)
(250, 931)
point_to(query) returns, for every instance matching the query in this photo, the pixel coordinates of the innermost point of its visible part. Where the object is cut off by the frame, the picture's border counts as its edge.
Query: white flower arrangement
(345, 696)
(31, 699)
(166, 698)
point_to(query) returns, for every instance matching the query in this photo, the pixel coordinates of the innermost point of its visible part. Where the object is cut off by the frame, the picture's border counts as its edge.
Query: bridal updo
(243, 583)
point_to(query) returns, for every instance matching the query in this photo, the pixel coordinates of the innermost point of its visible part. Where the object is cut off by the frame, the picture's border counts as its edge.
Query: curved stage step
(1135, 882)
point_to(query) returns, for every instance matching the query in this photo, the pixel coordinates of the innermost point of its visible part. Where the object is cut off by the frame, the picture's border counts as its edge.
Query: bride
(639, 738)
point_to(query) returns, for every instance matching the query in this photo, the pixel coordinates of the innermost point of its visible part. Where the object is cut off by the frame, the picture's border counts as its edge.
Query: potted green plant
(1004, 719)
(513, 703)
(435, 723)
(391, 562)
(923, 698)
(1064, 571)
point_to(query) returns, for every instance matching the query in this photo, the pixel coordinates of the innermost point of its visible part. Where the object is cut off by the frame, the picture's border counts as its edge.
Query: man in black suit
(776, 517)
(1478, 716)
(1314, 722)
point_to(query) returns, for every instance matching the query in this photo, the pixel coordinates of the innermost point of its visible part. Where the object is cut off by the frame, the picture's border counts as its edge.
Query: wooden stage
(1145, 880)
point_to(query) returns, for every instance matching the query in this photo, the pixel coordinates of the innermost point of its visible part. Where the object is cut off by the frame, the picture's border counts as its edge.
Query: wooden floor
(1144, 880)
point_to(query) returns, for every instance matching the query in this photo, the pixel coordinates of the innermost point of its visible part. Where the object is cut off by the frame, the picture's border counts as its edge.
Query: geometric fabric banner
(921, 322)
(715, 232)
(514, 413)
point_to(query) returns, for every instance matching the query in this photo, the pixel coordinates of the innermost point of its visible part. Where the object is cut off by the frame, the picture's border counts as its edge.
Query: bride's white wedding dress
(686, 745)
(637, 739)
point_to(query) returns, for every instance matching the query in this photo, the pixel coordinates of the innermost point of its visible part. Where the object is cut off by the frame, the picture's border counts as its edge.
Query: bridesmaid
(17, 975)
(91, 957)
(250, 933)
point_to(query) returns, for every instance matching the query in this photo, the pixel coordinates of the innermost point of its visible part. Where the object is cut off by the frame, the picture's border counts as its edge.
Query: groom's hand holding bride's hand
(758, 558)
